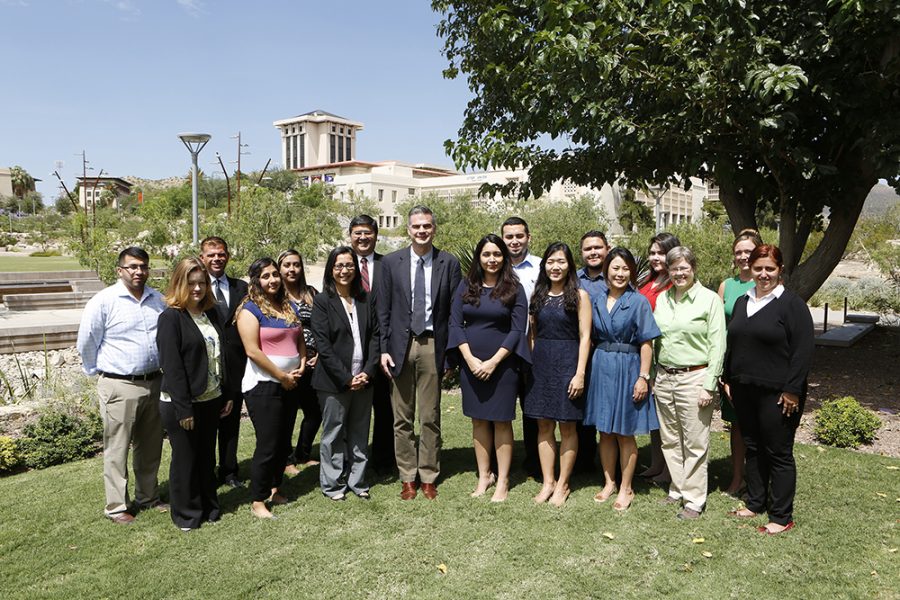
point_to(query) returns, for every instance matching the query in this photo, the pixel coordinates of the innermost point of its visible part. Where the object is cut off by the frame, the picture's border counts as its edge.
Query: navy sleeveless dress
(554, 362)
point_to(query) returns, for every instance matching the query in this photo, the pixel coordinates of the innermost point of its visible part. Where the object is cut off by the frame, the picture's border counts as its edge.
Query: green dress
(734, 289)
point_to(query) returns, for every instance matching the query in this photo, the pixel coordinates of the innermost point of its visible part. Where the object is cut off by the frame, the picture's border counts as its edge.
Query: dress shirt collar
(583, 274)
(122, 291)
(414, 258)
(777, 292)
(530, 261)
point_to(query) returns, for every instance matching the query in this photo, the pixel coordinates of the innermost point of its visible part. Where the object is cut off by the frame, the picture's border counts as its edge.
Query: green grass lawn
(54, 541)
(19, 264)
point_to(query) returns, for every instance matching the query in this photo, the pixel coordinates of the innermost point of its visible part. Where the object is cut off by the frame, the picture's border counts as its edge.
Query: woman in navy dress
(487, 330)
(619, 403)
(560, 335)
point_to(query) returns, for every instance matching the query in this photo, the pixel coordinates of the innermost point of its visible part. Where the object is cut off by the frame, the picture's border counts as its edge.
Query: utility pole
(239, 152)
(227, 185)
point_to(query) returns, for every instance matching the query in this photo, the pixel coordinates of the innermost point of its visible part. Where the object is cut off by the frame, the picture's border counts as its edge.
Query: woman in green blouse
(689, 356)
(730, 290)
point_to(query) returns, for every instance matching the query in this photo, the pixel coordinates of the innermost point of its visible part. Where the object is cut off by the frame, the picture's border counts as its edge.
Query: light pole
(194, 142)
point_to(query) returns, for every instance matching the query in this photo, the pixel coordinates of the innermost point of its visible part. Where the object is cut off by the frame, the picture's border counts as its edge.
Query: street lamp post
(194, 142)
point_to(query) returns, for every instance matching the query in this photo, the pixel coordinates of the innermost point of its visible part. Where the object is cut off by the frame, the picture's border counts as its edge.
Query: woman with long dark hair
(301, 295)
(273, 340)
(560, 335)
(488, 316)
(655, 282)
(195, 392)
(770, 349)
(729, 291)
(619, 403)
(345, 326)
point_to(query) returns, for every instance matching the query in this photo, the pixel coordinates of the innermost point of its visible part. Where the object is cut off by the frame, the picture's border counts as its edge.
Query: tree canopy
(793, 105)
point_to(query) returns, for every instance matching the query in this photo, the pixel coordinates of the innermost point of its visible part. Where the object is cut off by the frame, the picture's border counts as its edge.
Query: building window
(340, 149)
(349, 155)
(289, 149)
(333, 149)
(394, 196)
(380, 195)
(411, 191)
(301, 142)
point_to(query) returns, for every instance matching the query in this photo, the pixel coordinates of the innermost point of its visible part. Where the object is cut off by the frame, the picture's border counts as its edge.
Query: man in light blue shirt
(117, 342)
(526, 266)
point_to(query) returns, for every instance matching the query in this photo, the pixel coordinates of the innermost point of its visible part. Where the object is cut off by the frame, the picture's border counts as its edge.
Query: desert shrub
(843, 423)
(58, 437)
(46, 253)
(9, 454)
(870, 293)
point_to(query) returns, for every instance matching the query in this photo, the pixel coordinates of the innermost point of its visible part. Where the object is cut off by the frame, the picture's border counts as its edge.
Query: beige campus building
(321, 147)
(5, 182)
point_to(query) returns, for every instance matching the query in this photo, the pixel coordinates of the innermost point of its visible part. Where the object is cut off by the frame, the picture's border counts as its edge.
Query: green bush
(9, 454)
(869, 293)
(843, 423)
(46, 253)
(58, 437)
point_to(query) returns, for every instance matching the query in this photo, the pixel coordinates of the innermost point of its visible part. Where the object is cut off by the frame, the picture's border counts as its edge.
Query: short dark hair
(419, 209)
(133, 252)
(362, 221)
(213, 240)
(593, 233)
(512, 222)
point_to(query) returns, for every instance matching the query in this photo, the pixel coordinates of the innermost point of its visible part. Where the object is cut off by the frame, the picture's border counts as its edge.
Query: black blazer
(394, 304)
(235, 356)
(184, 361)
(334, 341)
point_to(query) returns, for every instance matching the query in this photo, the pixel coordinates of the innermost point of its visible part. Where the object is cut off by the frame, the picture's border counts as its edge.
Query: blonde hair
(178, 294)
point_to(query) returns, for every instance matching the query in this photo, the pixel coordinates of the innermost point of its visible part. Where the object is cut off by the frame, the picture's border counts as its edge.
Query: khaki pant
(684, 431)
(418, 387)
(130, 413)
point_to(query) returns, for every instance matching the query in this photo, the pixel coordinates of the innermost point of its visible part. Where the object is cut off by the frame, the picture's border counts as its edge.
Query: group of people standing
(585, 350)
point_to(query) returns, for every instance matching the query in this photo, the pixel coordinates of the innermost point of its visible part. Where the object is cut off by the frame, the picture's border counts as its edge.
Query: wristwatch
(645, 377)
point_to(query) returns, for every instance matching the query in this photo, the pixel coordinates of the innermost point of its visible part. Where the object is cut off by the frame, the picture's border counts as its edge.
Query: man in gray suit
(417, 283)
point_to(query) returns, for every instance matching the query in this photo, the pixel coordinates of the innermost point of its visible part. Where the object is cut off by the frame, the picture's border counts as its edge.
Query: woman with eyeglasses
(488, 316)
(345, 326)
(770, 348)
(276, 360)
(300, 294)
(729, 291)
(689, 356)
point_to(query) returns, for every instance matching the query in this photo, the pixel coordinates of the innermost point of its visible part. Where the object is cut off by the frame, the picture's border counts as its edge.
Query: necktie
(220, 297)
(364, 271)
(418, 313)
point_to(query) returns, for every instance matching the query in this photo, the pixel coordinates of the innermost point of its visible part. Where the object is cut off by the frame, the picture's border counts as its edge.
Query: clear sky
(120, 79)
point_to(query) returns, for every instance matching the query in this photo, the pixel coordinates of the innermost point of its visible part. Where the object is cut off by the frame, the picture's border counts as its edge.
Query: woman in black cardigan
(345, 326)
(770, 348)
(194, 392)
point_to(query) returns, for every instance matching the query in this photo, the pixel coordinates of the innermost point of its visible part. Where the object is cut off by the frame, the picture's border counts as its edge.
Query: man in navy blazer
(413, 304)
(363, 232)
(228, 292)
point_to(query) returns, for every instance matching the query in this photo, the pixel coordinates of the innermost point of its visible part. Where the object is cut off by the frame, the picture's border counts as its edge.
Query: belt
(616, 347)
(677, 370)
(424, 334)
(145, 377)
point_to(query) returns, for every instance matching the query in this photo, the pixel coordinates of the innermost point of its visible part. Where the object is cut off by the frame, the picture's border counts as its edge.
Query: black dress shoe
(234, 482)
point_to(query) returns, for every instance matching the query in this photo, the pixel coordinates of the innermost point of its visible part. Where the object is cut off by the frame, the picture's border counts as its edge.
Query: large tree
(794, 105)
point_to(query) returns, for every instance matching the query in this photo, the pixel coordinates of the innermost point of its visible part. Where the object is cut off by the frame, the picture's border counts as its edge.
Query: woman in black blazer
(345, 326)
(770, 349)
(194, 392)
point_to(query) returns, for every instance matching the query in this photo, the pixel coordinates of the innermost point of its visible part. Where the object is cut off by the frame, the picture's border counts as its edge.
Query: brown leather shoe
(122, 518)
(429, 490)
(408, 490)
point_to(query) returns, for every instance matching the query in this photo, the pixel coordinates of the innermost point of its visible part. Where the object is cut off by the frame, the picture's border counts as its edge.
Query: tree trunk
(809, 275)
(741, 213)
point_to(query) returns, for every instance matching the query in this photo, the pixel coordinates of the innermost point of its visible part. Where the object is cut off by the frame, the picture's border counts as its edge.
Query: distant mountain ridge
(880, 200)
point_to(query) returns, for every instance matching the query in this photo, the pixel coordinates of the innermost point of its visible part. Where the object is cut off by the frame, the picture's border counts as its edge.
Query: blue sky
(120, 78)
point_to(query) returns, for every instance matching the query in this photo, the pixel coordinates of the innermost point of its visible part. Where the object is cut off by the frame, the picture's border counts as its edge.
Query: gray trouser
(344, 451)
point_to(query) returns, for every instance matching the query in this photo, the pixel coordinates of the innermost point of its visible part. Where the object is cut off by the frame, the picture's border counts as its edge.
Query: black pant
(770, 470)
(309, 425)
(270, 407)
(381, 453)
(192, 478)
(229, 434)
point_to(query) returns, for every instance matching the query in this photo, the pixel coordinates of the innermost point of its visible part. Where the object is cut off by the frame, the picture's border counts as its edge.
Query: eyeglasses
(133, 268)
(681, 270)
(349, 267)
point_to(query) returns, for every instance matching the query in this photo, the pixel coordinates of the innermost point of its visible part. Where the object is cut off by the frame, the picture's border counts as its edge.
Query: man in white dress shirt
(526, 266)
(117, 341)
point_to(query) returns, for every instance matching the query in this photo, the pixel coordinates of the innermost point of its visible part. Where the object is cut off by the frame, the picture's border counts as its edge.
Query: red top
(651, 293)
